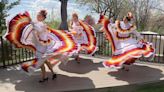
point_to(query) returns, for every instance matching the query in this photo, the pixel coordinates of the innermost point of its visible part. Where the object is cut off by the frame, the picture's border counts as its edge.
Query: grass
(149, 87)
(53, 24)
(153, 87)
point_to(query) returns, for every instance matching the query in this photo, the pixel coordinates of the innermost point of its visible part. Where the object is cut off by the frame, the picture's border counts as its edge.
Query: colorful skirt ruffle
(129, 54)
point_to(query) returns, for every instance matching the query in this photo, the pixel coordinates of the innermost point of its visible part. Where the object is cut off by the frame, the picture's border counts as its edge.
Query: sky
(52, 6)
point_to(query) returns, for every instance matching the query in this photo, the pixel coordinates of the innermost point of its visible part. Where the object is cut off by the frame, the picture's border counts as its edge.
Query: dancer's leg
(43, 71)
(125, 67)
(77, 58)
(127, 63)
(50, 67)
(44, 78)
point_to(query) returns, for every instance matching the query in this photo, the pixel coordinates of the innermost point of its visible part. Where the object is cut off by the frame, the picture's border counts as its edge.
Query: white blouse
(127, 26)
(41, 30)
(76, 27)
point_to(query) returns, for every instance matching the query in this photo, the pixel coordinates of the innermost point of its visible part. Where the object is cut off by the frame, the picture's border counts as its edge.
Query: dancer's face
(75, 18)
(125, 20)
(40, 17)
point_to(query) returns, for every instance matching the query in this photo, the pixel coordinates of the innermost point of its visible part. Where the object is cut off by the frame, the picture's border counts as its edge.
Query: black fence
(9, 55)
(157, 40)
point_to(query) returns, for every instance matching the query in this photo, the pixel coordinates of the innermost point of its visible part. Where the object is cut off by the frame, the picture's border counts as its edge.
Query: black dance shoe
(54, 76)
(43, 80)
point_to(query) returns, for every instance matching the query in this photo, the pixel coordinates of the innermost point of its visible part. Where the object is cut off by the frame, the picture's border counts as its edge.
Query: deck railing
(9, 55)
(157, 40)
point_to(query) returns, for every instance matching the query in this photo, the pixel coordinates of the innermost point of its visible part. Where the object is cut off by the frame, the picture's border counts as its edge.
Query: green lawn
(149, 87)
(153, 87)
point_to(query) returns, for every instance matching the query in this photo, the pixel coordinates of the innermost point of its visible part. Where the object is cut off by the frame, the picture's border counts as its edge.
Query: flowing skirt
(129, 51)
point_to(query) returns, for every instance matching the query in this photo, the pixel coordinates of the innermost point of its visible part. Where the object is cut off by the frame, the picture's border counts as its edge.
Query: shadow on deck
(89, 74)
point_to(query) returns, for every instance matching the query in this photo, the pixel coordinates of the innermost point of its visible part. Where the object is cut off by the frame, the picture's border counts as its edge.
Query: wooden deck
(89, 74)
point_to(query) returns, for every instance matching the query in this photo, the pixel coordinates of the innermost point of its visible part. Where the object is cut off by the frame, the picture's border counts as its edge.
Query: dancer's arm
(137, 34)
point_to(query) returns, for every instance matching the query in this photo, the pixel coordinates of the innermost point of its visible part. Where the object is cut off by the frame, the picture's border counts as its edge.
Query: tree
(156, 23)
(141, 9)
(142, 12)
(63, 25)
(112, 8)
(4, 7)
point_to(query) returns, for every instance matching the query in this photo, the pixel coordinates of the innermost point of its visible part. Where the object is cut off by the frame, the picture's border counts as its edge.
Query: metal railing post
(2, 49)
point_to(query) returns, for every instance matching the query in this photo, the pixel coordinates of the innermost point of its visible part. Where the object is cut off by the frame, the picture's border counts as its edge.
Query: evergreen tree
(4, 7)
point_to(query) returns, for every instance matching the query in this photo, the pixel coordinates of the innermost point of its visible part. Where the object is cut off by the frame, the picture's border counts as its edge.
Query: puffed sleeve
(41, 32)
(137, 34)
(39, 26)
